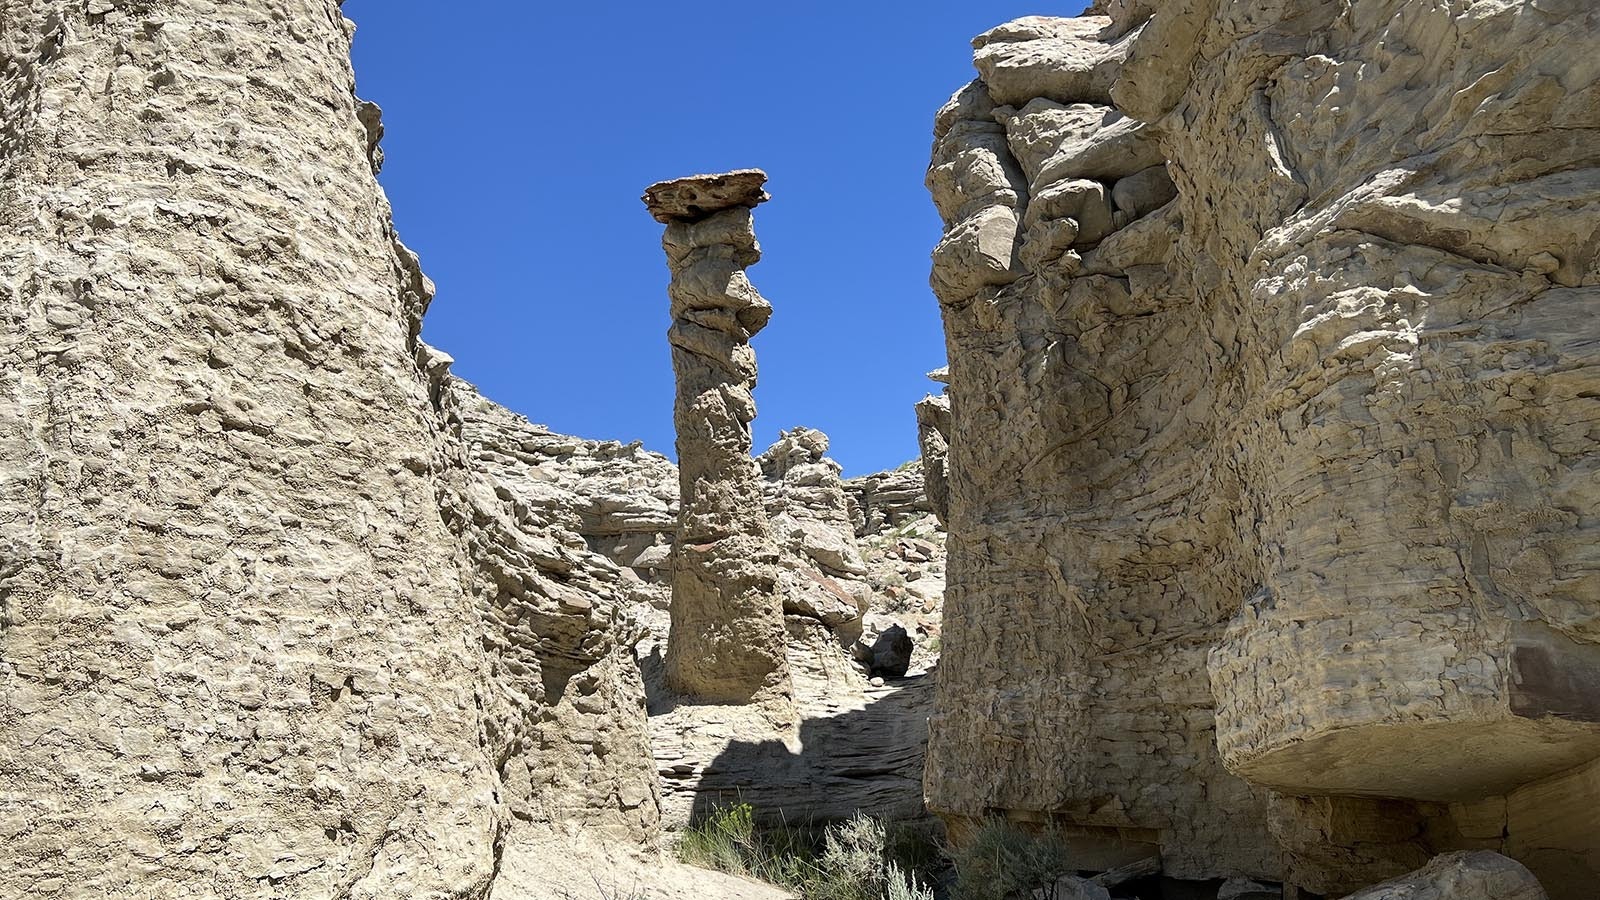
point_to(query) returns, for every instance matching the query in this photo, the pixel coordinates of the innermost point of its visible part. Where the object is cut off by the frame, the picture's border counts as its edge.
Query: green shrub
(1004, 862)
(724, 841)
(852, 860)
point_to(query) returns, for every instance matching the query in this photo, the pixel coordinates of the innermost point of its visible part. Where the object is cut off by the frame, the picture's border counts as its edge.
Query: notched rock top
(698, 196)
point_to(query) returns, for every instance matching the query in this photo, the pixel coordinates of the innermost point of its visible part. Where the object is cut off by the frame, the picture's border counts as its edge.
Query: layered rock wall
(889, 499)
(278, 616)
(1086, 582)
(565, 709)
(238, 655)
(1273, 389)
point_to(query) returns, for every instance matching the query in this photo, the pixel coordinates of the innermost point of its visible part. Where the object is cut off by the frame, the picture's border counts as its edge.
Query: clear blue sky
(521, 133)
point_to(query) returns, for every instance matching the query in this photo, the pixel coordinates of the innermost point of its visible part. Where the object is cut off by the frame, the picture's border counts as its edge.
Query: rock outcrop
(854, 745)
(1271, 442)
(933, 429)
(888, 499)
(823, 576)
(237, 652)
(600, 517)
(1077, 618)
(566, 713)
(727, 641)
(1461, 876)
(280, 612)
(1267, 460)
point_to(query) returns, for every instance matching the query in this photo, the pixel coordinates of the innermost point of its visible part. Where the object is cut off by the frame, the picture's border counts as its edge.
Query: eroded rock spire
(727, 639)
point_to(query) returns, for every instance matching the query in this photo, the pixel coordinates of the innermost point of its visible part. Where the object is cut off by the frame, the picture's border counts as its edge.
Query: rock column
(727, 639)
(236, 658)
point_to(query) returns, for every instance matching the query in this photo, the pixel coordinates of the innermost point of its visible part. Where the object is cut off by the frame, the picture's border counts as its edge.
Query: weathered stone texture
(566, 714)
(238, 657)
(281, 614)
(531, 505)
(1306, 413)
(1418, 447)
(885, 500)
(1461, 876)
(854, 746)
(1071, 679)
(727, 639)
(933, 440)
(698, 196)
(822, 575)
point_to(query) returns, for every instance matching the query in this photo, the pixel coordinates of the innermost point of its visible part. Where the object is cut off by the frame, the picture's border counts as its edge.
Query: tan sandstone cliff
(277, 618)
(238, 652)
(1267, 460)
(1271, 457)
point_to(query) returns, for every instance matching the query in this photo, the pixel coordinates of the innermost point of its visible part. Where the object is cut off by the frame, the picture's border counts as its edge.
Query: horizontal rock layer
(1272, 394)
(238, 656)
(727, 642)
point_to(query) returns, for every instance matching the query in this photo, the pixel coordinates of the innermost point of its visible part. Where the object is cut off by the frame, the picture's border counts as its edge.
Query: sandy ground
(576, 869)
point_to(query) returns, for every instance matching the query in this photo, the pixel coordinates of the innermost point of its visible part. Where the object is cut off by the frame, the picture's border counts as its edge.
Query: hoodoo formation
(1251, 553)
(727, 616)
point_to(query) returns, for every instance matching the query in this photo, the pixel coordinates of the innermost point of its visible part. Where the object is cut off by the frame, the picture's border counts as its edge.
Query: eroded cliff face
(278, 617)
(238, 656)
(565, 716)
(1084, 588)
(1273, 390)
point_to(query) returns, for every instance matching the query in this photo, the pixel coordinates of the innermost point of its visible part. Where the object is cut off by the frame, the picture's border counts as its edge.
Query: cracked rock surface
(727, 641)
(239, 657)
(1273, 386)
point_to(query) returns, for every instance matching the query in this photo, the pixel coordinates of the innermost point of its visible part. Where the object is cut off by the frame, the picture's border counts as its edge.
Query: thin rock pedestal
(727, 642)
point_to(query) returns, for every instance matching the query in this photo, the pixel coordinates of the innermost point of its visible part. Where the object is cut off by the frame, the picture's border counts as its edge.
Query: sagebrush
(1003, 861)
(854, 859)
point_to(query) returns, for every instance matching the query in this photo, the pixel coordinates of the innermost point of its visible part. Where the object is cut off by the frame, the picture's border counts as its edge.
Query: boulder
(1479, 875)
(890, 655)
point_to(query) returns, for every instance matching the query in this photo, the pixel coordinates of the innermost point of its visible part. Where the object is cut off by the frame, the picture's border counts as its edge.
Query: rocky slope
(1272, 402)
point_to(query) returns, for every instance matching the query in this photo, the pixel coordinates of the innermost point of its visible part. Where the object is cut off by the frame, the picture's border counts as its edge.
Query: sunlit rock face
(728, 637)
(1271, 445)
(237, 654)
(277, 616)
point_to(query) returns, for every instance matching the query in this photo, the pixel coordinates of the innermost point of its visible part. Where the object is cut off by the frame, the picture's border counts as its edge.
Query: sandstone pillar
(236, 657)
(727, 639)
